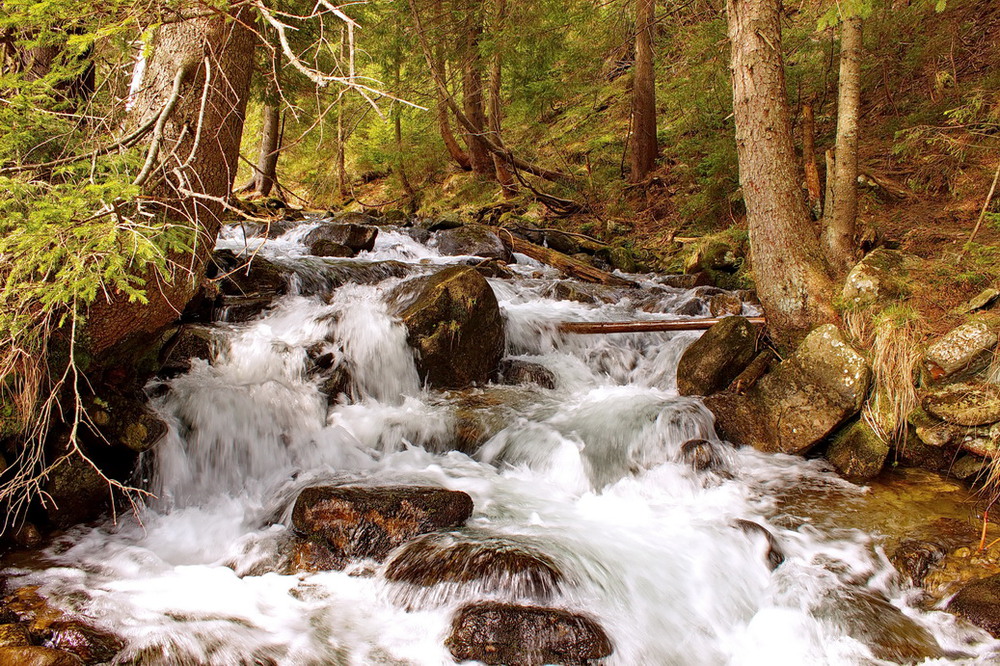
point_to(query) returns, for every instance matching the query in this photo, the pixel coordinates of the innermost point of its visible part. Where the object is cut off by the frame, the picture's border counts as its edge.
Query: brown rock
(725, 304)
(358, 521)
(14, 635)
(516, 371)
(717, 357)
(979, 603)
(964, 404)
(473, 239)
(37, 656)
(310, 556)
(355, 237)
(497, 633)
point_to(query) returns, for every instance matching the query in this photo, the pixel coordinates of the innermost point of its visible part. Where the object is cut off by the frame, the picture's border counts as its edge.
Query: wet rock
(914, 558)
(685, 281)
(357, 521)
(126, 421)
(454, 323)
(14, 635)
(516, 371)
(964, 404)
(77, 492)
(497, 633)
(324, 247)
(801, 401)
(355, 237)
(190, 342)
(492, 269)
(702, 455)
(879, 276)
(915, 453)
(236, 309)
(276, 228)
(356, 218)
(473, 239)
(394, 216)
(481, 413)
(419, 234)
(90, 644)
(618, 258)
(979, 603)
(312, 555)
(335, 382)
(725, 304)
(857, 451)
(717, 357)
(963, 350)
(759, 366)
(970, 467)
(774, 554)
(693, 307)
(37, 656)
(714, 255)
(240, 276)
(495, 563)
(445, 222)
(561, 242)
(566, 290)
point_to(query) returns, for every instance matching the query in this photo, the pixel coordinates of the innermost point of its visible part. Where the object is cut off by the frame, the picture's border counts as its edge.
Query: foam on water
(591, 473)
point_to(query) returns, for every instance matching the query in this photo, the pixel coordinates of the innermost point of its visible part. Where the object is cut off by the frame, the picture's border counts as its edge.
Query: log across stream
(585, 495)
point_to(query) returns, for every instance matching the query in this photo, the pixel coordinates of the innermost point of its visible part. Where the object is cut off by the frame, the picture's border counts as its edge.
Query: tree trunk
(472, 96)
(643, 94)
(792, 280)
(266, 173)
(500, 164)
(341, 150)
(444, 126)
(839, 238)
(198, 158)
(809, 160)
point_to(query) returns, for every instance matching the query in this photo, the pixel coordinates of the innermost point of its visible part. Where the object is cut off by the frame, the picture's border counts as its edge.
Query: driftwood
(643, 326)
(560, 261)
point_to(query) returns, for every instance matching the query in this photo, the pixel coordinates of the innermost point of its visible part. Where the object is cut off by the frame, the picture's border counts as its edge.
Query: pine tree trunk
(501, 167)
(341, 150)
(792, 280)
(472, 97)
(266, 173)
(444, 125)
(643, 94)
(197, 161)
(839, 238)
(809, 160)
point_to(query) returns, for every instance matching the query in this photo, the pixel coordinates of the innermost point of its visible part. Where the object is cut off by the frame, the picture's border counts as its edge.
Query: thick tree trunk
(472, 97)
(809, 160)
(500, 164)
(203, 64)
(841, 218)
(643, 94)
(266, 173)
(792, 280)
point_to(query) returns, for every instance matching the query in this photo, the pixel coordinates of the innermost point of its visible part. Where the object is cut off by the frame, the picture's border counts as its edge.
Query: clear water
(589, 472)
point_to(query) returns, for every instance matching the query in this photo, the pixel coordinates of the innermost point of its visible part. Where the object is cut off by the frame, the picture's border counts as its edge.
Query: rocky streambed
(373, 445)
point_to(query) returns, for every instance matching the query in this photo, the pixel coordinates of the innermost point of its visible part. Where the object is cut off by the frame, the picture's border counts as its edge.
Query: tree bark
(644, 149)
(793, 283)
(472, 95)
(503, 173)
(444, 125)
(841, 218)
(809, 160)
(266, 173)
(210, 58)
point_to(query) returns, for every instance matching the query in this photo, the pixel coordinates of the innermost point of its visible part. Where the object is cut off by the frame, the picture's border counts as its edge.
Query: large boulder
(880, 276)
(857, 451)
(799, 403)
(964, 404)
(498, 633)
(495, 563)
(979, 603)
(715, 359)
(454, 324)
(356, 237)
(359, 521)
(473, 239)
(963, 350)
(243, 276)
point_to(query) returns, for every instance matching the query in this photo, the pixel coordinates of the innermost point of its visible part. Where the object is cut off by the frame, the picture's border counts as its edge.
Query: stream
(591, 473)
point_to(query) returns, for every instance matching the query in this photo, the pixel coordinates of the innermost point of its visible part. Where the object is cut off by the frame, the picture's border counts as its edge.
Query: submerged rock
(774, 555)
(37, 656)
(495, 563)
(14, 635)
(358, 521)
(963, 350)
(717, 357)
(497, 633)
(191, 341)
(454, 324)
(355, 237)
(964, 404)
(857, 451)
(702, 455)
(979, 603)
(473, 239)
(312, 555)
(799, 403)
(516, 371)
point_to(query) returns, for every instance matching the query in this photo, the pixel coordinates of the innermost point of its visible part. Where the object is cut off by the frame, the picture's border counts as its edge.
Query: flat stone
(964, 404)
(981, 301)
(964, 348)
(324, 247)
(360, 521)
(498, 633)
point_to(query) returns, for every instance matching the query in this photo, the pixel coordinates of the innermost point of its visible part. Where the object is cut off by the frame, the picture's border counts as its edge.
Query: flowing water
(590, 473)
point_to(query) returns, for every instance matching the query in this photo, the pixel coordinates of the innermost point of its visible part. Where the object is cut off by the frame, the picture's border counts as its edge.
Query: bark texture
(500, 164)
(215, 55)
(841, 218)
(266, 173)
(643, 94)
(472, 97)
(792, 279)
(809, 159)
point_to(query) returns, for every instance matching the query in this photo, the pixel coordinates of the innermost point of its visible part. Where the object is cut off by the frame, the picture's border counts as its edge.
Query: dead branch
(560, 261)
(643, 326)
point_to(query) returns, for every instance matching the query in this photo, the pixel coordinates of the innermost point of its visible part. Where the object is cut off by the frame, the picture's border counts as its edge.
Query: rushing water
(589, 472)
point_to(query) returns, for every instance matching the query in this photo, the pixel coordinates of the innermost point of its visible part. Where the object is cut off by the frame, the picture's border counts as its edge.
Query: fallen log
(560, 261)
(644, 326)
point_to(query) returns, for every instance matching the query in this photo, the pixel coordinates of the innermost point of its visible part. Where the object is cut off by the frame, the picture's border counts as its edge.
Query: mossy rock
(857, 451)
(472, 239)
(713, 255)
(715, 359)
(880, 276)
(964, 350)
(964, 404)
